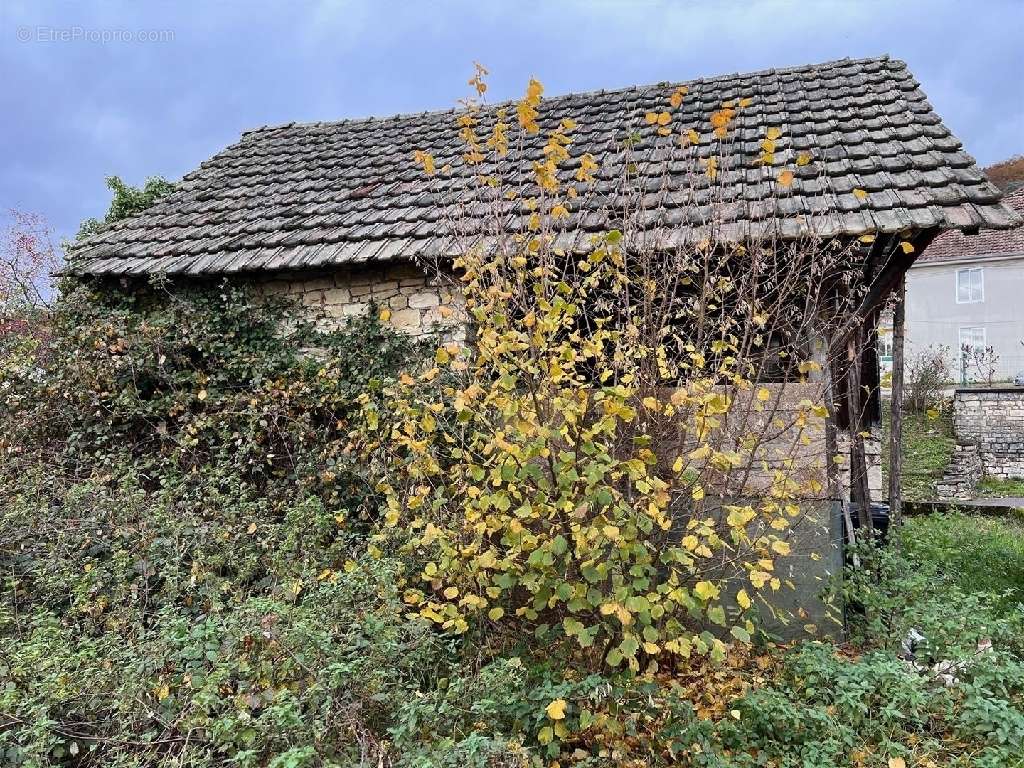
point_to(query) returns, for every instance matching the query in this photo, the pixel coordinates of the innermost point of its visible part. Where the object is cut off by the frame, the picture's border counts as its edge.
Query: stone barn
(338, 215)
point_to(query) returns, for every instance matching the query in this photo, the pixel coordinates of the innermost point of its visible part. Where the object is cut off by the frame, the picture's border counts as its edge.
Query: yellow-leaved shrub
(602, 462)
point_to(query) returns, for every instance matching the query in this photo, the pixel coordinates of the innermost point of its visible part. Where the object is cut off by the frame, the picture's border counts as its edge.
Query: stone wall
(960, 480)
(993, 420)
(413, 302)
(419, 305)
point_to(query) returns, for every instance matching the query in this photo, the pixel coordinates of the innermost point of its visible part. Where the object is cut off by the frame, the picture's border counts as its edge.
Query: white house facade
(966, 294)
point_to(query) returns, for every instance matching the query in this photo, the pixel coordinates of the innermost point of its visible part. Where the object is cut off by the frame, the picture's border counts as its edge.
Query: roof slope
(297, 196)
(956, 245)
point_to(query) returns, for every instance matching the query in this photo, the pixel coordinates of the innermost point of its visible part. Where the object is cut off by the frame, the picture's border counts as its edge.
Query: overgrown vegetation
(927, 449)
(928, 373)
(928, 441)
(201, 568)
(127, 201)
(164, 605)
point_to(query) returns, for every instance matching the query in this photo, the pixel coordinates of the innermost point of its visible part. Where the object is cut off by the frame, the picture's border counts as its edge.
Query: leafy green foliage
(992, 487)
(979, 555)
(174, 525)
(127, 201)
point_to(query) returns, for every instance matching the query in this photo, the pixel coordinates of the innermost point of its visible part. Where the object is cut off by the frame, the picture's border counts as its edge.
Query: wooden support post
(821, 356)
(896, 405)
(860, 494)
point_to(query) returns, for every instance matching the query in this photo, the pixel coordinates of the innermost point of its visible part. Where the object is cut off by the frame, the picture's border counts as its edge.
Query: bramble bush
(176, 509)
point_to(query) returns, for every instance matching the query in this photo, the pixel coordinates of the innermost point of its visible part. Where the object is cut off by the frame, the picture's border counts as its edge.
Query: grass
(927, 447)
(991, 487)
(976, 554)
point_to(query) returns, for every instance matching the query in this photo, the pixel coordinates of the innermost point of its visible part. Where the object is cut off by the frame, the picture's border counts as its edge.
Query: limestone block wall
(992, 419)
(418, 304)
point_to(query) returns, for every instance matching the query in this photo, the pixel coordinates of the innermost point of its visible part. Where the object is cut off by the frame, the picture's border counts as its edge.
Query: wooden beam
(896, 405)
(884, 280)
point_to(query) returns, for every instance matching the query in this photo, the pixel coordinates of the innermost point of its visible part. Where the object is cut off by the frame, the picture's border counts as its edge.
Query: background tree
(127, 201)
(28, 260)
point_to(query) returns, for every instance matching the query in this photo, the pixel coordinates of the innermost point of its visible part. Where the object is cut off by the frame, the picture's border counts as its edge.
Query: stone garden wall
(993, 420)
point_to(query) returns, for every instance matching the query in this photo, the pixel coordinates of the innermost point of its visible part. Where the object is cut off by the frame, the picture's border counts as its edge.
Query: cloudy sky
(136, 89)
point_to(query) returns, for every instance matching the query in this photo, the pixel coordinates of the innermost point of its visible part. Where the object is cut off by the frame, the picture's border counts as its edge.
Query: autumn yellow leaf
(764, 394)
(774, 133)
(202, 394)
(743, 599)
(860, 194)
(759, 578)
(495, 613)
(385, 315)
(712, 168)
(611, 532)
(907, 247)
(720, 121)
(651, 118)
(705, 590)
(426, 160)
(866, 238)
(556, 709)
(897, 762)
(803, 159)
(786, 178)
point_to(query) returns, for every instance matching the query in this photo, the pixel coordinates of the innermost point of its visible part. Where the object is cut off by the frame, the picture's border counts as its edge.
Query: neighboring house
(338, 215)
(966, 292)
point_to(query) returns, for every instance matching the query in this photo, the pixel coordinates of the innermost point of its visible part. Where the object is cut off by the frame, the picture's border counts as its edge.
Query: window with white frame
(970, 285)
(972, 352)
(885, 346)
(972, 337)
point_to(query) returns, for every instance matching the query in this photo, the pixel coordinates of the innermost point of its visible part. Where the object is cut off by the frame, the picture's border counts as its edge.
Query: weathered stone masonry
(993, 420)
(419, 304)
